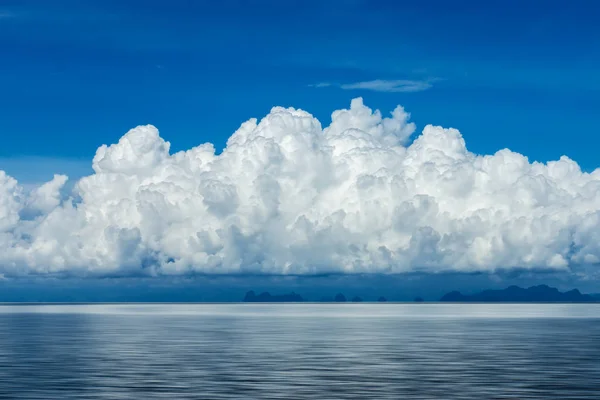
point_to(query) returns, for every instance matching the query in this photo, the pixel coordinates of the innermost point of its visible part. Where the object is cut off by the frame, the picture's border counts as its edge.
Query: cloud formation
(287, 196)
(381, 85)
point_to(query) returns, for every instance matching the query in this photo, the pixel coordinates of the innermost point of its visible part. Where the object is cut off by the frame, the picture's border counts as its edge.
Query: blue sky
(76, 74)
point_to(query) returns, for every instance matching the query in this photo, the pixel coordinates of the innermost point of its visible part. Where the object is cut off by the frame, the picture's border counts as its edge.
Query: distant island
(516, 294)
(266, 297)
(512, 294)
(339, 298)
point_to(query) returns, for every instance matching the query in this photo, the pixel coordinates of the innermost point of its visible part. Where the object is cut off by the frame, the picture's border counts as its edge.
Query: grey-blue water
(300, 351)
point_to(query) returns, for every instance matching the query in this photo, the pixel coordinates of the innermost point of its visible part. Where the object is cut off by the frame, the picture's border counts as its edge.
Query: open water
(300, 351)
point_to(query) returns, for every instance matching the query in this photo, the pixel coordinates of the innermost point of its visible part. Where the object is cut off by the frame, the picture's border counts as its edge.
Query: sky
(76, 75)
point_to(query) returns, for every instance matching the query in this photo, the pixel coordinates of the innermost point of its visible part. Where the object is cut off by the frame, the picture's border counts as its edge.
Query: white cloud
(381, 85)
(30, 170)
(321, 84)
(288, 196)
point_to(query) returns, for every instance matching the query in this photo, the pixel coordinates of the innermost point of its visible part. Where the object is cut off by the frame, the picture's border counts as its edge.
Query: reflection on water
(309, 351)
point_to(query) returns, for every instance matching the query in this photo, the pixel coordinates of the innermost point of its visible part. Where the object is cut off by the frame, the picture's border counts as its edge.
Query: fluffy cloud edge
(287, 196)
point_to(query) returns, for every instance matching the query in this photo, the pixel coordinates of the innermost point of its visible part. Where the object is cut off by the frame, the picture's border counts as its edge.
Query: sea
(300, 351)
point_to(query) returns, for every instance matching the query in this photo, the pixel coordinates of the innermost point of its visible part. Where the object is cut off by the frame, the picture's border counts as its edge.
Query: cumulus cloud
(289, 196)
(381, 85)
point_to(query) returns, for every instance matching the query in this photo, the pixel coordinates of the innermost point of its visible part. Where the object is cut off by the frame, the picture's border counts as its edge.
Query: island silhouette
(340, 298)
(266, 297)
(516, 294)
(512, 294)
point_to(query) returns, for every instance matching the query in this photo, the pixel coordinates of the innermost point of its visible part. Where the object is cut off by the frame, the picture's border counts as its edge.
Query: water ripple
(367, 351)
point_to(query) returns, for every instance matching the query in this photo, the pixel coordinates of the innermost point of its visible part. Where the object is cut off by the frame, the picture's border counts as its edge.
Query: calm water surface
(308, 351)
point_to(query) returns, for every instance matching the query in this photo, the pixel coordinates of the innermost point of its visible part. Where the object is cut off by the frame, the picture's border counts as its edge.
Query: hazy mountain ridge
(516, 294)
(266, 297)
